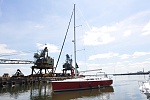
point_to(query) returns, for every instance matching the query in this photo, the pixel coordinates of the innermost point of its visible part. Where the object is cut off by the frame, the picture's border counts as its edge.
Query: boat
(78, 82)
(144, 86)
(81, 83)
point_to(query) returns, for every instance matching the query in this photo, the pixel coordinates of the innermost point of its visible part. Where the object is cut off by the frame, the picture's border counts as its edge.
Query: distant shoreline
(132, 74)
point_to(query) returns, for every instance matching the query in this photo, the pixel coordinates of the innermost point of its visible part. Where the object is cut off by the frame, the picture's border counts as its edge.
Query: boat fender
(99, 86)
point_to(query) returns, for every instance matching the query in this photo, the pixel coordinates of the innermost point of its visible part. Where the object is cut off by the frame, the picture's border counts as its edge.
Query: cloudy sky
(113, 34)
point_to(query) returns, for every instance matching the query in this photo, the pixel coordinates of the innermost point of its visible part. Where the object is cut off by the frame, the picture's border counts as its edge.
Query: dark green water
(123, 88)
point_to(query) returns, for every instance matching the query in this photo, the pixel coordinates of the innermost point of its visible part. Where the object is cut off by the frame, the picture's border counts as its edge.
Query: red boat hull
(79, 85)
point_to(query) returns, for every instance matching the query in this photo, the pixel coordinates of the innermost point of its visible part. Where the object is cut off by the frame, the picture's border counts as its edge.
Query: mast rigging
(63, 42)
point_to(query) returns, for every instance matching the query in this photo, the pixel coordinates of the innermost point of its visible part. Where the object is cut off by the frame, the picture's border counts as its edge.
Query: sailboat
(80, 83)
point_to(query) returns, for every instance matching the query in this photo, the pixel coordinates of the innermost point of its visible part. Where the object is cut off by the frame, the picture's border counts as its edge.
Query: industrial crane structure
(44, 65)
(42, 62)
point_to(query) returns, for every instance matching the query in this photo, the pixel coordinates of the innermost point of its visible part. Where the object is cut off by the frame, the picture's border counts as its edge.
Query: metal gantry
(9, 61)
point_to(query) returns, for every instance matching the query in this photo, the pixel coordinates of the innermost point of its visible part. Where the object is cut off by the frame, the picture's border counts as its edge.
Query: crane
(42, 62)
(9, 61)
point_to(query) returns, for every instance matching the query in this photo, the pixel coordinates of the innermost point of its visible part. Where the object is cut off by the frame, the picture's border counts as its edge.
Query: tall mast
(75, 45)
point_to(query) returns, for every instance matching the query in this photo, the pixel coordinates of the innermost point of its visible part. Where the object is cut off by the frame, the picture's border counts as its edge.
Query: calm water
(123, 88)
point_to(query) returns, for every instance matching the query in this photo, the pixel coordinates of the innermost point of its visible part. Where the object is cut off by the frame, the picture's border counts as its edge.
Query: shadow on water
(44, 92)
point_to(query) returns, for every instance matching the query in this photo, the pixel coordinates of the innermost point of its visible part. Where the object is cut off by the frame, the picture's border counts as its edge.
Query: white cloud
(117, 31)
(118, 67)
(125, 56)
(98, 36)
(127, 33)
(134, 55)
(146, 29)
(105, 55)
(138, 54)
(5, 50)
(107, 67)
(148, 59)
(39, 26)
(51, 47)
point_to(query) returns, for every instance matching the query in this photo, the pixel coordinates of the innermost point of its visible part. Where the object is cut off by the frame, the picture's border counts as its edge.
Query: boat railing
(101, 74)
(98, 76)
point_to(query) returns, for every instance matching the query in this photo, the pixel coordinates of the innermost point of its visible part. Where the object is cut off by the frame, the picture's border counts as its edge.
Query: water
(123, 88)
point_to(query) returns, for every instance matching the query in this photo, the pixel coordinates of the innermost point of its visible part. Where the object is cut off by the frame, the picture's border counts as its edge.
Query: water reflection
(12, 92)
(43, 92)
(103, 94)
(30, 92)
(126, 88)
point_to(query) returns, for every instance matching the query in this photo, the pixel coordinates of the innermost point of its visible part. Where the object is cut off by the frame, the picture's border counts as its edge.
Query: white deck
(85, 79)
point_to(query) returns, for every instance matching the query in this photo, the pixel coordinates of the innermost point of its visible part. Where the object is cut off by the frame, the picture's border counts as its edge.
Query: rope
(63, 42)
